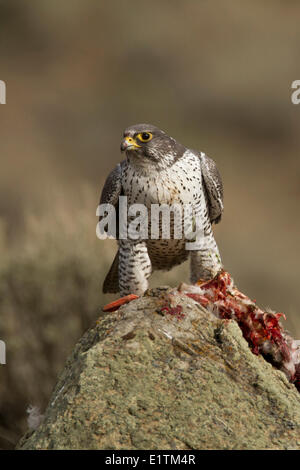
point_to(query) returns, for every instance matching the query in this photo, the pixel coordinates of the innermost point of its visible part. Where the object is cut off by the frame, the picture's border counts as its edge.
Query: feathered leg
(205, 263)
(134, 267)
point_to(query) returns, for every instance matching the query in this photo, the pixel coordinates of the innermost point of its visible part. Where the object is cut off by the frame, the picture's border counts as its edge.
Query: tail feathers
(111, 282)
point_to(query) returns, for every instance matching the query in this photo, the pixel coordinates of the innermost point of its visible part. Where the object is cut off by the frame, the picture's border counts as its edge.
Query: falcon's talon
(116, 304)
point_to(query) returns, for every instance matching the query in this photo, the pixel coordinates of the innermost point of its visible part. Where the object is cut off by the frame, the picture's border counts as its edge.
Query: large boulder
(146, 377)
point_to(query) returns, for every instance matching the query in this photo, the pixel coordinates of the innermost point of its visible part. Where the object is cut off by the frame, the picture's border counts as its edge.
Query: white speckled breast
(180, 183)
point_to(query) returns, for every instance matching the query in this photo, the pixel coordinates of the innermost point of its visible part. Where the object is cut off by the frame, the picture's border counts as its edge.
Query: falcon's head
(146, 144)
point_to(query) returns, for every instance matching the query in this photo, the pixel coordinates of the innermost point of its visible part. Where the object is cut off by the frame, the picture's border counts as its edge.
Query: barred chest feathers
(179, 183)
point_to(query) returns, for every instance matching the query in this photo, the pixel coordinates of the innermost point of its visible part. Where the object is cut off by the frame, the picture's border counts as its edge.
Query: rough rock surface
(141, 379)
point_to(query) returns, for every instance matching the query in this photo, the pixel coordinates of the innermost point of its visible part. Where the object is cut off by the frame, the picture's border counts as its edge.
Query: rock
(142, 378)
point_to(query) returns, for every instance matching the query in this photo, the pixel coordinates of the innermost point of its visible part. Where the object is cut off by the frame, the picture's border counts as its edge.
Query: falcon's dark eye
(144, 136)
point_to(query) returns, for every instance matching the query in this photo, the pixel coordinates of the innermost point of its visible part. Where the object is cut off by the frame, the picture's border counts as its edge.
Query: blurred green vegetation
(216, 76)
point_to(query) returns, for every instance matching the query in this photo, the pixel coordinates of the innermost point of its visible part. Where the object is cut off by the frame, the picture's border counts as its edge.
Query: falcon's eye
(144, 136)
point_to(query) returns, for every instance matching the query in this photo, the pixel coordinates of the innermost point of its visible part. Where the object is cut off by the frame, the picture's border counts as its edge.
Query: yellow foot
(113, 306)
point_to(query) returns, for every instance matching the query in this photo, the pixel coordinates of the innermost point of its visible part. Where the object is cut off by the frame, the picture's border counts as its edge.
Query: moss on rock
(140, 379)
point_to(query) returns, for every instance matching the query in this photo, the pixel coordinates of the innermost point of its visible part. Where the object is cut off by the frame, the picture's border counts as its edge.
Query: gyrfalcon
(160, 170)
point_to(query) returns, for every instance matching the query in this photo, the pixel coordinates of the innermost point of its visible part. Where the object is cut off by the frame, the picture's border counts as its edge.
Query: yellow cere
(132, 141)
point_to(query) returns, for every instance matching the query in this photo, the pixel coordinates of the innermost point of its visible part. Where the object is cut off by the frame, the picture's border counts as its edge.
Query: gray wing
(112, 187)
(213, 186)
(112, 190)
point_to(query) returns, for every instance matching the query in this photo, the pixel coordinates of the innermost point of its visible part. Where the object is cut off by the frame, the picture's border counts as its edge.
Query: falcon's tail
(111, 282)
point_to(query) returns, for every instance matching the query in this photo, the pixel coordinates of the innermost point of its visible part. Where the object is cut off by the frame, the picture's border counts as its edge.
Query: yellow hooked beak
(129, 143)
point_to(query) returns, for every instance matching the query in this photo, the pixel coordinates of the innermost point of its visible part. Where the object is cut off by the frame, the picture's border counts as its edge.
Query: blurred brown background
(216, 76)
